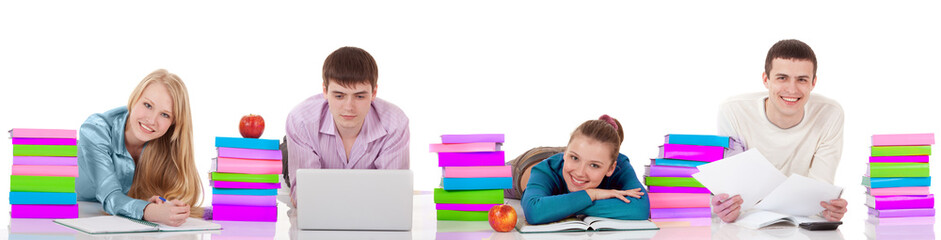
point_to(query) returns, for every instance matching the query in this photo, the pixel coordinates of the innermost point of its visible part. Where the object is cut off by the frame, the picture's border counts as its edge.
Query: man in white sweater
(798, 132)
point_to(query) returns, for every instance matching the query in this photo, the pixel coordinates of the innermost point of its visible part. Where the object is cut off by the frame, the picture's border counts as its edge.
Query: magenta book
(249, 153)
(471, 138)
(464, 207)
(900, 202)
(244, 213)
(664, 189)
(465, 147)
(44, 141)
(449, 159)
(691, 152)
(245, 185)
(911, 159)
(43, 211)
(680, 212)
(244, 200)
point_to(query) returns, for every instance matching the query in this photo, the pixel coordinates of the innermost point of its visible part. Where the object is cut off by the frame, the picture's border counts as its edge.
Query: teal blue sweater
(547, 199)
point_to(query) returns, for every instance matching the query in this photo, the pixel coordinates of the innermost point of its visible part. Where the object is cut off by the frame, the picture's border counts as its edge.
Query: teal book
(872, 182)
(250, 143)
(476, 183)
(45, 150)
(701, 140)
(46, 198)
(238, 191)
(675, 163)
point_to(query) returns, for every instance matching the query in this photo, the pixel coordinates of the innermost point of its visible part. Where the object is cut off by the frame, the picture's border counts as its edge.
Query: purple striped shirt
(313, 141)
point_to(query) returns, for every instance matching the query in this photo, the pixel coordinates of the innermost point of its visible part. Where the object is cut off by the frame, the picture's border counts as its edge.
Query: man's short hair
(790, 49)
(350, 66)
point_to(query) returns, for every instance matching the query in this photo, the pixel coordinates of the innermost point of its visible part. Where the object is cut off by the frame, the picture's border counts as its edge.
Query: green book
(462, 215)
(900, 151)
(672, 182)
(490, 196)
(898, 170)
(241, 177)
(41, 184)
(45, 150)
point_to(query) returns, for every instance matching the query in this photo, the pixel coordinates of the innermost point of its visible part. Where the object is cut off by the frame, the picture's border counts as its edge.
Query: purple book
(471, 138)
(462, 159)
(691, 152)
(245, 185)
(671, 171)
(54, 161)
(44, 141)
(464, 207)
(43, 211)
(244, 213)
(892, 213)
(680, 212)
(908, 159)
(249, 153)
(662, 189)
(244, 200)
(900, 202)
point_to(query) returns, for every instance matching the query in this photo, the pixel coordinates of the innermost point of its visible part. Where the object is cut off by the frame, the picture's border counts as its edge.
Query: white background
(531, 70)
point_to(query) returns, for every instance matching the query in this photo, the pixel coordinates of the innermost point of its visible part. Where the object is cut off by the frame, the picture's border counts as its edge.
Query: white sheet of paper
(799, 196)
(748, 174)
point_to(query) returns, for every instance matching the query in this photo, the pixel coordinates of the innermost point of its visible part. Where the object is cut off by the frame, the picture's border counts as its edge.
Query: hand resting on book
(172, 213)
(598, 194)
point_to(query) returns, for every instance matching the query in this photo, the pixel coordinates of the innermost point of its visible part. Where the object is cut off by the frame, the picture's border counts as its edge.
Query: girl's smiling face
(586, 162)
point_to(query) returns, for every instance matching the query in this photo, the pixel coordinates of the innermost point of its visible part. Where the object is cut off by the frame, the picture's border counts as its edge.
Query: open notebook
(118, 224)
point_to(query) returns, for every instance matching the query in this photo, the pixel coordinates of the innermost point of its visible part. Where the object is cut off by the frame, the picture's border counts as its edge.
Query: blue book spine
(900, 182)
(234, 191)
(476, 183)
(250, 143)
(701, 140)
(676, 163)
(50, 198)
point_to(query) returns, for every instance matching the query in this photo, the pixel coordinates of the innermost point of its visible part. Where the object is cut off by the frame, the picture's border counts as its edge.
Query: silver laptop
(354, 199)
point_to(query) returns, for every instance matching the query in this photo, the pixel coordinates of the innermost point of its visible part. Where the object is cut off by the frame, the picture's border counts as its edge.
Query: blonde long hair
(167, 167)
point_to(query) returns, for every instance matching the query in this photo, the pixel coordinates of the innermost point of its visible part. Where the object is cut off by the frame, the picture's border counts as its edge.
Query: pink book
(911, 159)
(39, 170)
(249, 153)
(682, 222)
(691, 152)
(918, 139)
(663, 189)
(244, 213)
(671, 171)
(680, 212)
(464, 207)
(466, 147)
(249, 166)
(897, 191)
(43, 211)
(900, 202)
(893, 213)
(478, 172)
(679, 200)
(42, 133)
(32, 160)
(44, 141)
(39, 226)
(244, 200)
(448, 159)
(471, 138)
(245, 185)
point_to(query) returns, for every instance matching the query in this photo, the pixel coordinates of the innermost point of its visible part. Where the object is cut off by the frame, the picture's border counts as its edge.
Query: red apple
(251, 126)
(502, 218)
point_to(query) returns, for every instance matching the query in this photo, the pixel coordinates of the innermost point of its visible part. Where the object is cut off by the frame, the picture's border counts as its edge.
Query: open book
(119, 224)
(764, 188)
(586, 224)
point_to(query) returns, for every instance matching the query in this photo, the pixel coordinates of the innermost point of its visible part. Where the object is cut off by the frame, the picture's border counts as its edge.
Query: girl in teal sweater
(589, 178)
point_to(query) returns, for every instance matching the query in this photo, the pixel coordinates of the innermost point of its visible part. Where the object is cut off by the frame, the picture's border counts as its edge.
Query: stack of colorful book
(897, 178)
(42, 184)
(676, 198)
(245, 179)
(474, 176)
